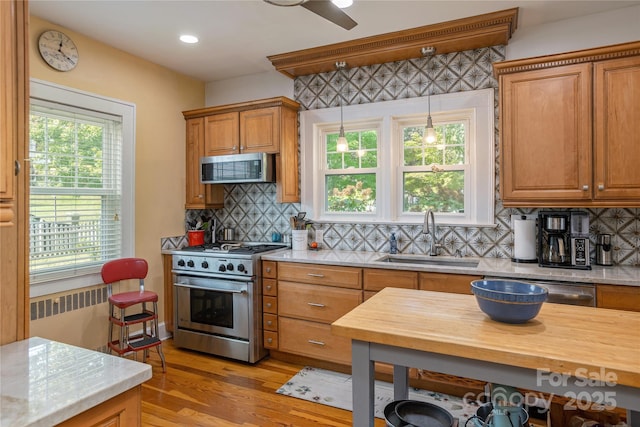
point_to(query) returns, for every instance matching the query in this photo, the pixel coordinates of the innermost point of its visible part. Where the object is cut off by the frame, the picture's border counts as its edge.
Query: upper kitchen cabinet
(262, 126)
(570, 128)
(14, 119)
(199, 195)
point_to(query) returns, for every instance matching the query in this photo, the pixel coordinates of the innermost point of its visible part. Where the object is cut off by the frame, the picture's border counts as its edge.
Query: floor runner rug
(334, 389)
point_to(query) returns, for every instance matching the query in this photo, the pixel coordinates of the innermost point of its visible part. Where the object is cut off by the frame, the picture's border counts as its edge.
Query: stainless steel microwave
(237, 168)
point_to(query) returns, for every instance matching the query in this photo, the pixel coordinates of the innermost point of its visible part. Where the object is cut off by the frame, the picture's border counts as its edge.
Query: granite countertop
(43, 382)
(496, 267)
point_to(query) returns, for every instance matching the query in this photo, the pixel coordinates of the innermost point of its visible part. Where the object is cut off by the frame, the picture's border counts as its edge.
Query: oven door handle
(205, 288)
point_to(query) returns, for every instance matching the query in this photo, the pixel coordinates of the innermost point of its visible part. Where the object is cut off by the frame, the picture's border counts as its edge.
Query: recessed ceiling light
(186, 38)
(342, 3)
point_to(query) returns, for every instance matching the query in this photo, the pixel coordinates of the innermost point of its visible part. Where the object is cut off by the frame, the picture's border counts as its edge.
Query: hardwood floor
(203, 390)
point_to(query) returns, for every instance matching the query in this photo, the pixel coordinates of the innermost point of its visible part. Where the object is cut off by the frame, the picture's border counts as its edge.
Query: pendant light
(342, 144)
(429, 132)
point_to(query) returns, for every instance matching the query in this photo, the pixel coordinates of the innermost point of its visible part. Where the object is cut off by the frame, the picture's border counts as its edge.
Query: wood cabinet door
(546, 143)
(199, 195)
(221, 134)
(260, 130)
(442, 282)
(14, 187)
(287, 168)
(617, 129)
(8, 99)
(376, 279)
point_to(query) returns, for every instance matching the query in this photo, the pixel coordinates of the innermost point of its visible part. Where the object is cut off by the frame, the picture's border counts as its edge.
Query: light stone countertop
(43, 382)
(496, 267)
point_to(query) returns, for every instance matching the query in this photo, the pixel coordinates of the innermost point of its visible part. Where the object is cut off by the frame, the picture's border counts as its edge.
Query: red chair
(126, 269)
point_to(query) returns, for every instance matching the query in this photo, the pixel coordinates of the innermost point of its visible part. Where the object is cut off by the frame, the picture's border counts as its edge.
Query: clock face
(58, 50)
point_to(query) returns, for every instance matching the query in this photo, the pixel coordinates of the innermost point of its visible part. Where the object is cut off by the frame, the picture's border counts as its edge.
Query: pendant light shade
(429, 131)
(342, 144)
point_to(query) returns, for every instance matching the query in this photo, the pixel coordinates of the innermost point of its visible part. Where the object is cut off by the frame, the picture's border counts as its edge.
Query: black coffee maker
(563, 239)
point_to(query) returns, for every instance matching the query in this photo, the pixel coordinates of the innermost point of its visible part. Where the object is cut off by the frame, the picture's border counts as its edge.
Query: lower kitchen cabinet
(618, 297)
(314, 340)
(452, 283)
(122, 410)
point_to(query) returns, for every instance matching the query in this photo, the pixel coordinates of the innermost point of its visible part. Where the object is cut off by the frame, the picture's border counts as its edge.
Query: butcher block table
(566, 350)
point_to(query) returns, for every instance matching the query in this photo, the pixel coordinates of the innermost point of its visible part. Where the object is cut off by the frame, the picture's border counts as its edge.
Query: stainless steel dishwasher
(570, 293)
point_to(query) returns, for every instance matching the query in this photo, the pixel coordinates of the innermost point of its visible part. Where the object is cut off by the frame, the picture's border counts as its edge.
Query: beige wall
(160, 95)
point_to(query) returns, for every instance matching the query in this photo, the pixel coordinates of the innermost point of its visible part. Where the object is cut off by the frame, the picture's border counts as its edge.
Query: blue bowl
(509, 301)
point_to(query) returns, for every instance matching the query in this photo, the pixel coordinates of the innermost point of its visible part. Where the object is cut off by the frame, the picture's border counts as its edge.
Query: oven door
(213, 306)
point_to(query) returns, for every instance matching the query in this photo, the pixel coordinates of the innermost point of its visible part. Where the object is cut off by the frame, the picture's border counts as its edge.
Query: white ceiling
(237, 36)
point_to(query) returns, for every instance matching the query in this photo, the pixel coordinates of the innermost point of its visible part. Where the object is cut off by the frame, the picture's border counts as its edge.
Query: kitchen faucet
(428, 218)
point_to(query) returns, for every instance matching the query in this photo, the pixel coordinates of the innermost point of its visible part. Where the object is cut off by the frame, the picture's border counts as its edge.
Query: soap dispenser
(393, 244)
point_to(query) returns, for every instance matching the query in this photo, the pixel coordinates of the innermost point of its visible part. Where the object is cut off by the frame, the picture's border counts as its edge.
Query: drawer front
(270, 287)
(317, 303)
(270, 305)
(270, 340)
(329, 275)
(378, 279)
(314, 340)
(269, 269)
(270, 322)
(452, 283)
(618, 297)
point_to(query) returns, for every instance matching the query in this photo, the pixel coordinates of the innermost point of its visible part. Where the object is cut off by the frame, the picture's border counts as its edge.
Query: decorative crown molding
(475, 32)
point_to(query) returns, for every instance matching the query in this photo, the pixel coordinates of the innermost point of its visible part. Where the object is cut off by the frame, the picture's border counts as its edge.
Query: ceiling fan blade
(331, 12)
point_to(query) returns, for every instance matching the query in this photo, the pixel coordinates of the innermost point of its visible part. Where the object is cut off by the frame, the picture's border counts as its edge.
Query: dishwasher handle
(572, 299)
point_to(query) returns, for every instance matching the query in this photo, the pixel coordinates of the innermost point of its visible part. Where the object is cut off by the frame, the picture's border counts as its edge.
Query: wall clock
(58, 50)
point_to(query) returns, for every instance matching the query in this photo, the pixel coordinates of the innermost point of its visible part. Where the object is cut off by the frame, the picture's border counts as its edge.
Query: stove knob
(181, 262)
(205, 264)
(222, 268)
(230, 267)
(190, 263)
(240, 268)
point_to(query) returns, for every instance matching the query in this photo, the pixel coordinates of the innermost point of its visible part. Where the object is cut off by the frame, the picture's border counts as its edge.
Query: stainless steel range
(218, 299)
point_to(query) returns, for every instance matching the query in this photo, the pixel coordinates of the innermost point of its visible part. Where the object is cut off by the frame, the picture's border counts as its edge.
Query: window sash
(73, 237)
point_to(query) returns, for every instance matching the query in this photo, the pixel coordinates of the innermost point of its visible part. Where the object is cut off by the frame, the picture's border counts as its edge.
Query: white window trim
(314, 122)
(69, 96)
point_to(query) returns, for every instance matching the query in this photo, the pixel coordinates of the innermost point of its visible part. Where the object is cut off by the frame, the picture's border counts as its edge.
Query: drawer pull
(270, 340)
(269, 323)
(268, 305)
(600, 187)
(268, 287)
(315, 304)
(315, 275)
(268, 269)
(316, 342)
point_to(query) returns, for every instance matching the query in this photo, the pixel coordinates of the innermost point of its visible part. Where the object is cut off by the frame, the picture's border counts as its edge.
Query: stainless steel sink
(417, 259)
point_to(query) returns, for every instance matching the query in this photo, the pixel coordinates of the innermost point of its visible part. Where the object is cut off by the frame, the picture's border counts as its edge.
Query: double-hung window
(80, 208)
(390, 173)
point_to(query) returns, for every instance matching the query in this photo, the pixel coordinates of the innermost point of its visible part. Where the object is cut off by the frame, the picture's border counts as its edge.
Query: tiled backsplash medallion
(252, 211)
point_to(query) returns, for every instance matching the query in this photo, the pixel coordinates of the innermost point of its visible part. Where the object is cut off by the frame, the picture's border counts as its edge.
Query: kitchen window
(389, 173)
(81, 187)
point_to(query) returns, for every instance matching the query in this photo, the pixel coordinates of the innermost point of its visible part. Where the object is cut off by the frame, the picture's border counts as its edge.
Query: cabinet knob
(234, 148)
(269, 323)
(268, 269)
(200, 196)
(268, 305)
(585, 188)
(268, 287)
(270, 340)
(241, 147)
(600, 187)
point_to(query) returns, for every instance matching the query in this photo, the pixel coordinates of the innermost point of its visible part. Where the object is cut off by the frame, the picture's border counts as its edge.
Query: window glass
(347, 191)
(75, 189)
(437, 178)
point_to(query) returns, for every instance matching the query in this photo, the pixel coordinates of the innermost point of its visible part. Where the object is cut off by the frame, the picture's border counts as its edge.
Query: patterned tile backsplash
(252, 211)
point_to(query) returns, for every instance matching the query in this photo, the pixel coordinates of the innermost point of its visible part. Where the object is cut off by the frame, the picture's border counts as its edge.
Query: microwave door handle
(205, 288)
